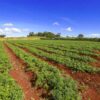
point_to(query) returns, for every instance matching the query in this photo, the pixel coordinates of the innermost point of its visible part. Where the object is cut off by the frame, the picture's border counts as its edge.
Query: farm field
(49, 70)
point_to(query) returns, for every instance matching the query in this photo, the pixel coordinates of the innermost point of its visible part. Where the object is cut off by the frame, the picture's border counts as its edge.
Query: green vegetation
(9, 90)
(49, 35)
(73, 55)
(49, 78)
(72, 60)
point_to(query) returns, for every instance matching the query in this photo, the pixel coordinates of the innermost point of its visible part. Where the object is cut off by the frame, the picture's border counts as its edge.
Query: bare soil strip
(97, 51)
(95, 57)
(90, 80)
(22, 78)
(94, 64)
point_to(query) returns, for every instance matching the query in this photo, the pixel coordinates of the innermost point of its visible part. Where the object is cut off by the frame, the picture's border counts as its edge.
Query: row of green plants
(64, 53)
(74, 50)
(9, 90)
(72, 55)
(58, 87)
(74, 64)
(69, 44)
(78, 47)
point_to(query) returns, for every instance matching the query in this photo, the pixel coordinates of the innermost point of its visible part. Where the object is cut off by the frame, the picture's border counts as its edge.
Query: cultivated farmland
(49, 70)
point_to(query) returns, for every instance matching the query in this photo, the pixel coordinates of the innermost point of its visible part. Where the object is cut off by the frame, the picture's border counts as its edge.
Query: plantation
(49, 70)
(9, 90)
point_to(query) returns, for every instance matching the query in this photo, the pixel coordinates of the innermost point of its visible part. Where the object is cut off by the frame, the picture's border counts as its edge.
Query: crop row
(49, 77)
(73, 47)
(75, 65)
(9, 90)
(65, 53)
(69, 54)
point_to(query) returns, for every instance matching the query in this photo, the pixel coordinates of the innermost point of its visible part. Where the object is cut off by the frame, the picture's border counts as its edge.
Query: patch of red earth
(89, 94)
(44, 93)
(22, 78)
(30, 75)
(97, 51)
(91, 80)
(96, 64)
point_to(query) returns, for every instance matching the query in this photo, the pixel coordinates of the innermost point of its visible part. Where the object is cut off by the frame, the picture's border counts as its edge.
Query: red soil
(92, 56)
(89, 94)
(90, 80)
(22, 78)
(97, 51)
(94, 64)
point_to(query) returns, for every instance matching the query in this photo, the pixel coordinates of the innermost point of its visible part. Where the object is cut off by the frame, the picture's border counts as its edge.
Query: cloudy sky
(70, 17)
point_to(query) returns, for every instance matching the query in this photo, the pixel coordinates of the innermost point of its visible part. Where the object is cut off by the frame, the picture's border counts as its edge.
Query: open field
(23, 38)
(49, 70)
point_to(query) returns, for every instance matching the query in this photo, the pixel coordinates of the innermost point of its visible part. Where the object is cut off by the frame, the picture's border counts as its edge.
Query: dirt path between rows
(22, 78)
(90, 80)
(94, 64)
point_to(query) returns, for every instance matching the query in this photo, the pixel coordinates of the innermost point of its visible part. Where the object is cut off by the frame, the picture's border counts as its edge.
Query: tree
(58, 35)
(31, 34)
(80, 36)
(2, 36)
(45, 34)
(39, 34)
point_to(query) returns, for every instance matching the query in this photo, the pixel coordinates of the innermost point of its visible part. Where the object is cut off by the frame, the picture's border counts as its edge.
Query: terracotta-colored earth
(97, 51)
(20, 76)
(92, 81)
(94, 64)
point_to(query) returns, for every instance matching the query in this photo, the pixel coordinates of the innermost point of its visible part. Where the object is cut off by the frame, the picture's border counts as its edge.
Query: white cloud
(8, 24)
(10, 29)
(94, 35)
(56, 24)
(1, 31)
(69, 29)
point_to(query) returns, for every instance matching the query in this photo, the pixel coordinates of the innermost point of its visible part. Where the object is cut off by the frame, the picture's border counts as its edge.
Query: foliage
(71, 60)
(9, 90)
(49, 77)
(2, 36)
(45, 34)
(80, 36)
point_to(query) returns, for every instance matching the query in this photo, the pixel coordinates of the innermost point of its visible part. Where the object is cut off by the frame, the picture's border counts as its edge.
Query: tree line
(57, 36)
(45, 34)
(50, 35)
(2, 35)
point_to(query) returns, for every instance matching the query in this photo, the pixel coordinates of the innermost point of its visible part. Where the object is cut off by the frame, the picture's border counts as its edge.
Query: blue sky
(69, 17)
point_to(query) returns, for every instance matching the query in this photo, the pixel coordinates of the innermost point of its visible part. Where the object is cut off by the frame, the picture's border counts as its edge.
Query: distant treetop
(45, 34)
(2, 36)
(80, 36)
